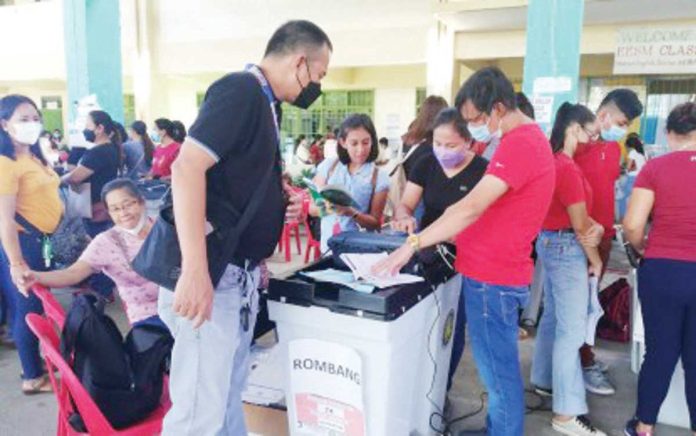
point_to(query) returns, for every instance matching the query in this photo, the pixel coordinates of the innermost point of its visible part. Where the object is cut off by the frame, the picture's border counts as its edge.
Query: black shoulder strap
(257, 197)
(26, 224)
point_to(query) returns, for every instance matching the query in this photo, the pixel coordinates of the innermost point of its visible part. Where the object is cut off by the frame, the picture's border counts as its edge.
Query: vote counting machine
(399, 337)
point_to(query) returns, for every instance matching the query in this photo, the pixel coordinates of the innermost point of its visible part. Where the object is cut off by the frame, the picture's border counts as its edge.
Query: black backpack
(123, 378)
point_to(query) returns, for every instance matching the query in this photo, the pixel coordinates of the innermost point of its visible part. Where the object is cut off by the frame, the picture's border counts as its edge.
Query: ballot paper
(361, 265)
(594, 311)
(345, 278)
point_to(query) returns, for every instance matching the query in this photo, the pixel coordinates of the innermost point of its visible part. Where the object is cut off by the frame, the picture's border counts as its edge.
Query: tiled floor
(29, 416)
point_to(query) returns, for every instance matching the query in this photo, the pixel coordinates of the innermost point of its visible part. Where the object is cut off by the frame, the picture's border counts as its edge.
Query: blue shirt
(134, 154)
(359, 185)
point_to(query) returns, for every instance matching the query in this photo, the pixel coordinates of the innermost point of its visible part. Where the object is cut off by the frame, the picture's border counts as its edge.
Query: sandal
(39, 385)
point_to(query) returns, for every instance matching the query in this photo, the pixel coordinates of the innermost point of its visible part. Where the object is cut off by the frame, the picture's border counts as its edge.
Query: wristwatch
(413, 241)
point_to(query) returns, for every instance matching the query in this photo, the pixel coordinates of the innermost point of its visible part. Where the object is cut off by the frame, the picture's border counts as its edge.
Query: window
(420, 98)
(128, 109)
(326, 113)
(52, 112)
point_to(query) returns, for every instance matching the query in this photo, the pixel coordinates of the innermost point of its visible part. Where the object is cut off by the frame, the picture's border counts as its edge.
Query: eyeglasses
(127, 205)
(591, 134)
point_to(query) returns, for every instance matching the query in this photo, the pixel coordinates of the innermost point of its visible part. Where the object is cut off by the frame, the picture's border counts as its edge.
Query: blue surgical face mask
(155, 137)
(614, 133)
(482, 133)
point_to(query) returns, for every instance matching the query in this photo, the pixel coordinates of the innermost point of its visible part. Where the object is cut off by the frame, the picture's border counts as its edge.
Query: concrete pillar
(143, 79)
(552, 59)
(442, 71)
(93, 54)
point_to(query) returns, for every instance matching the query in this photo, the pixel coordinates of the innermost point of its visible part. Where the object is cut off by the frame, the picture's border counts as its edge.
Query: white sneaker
(578, 426)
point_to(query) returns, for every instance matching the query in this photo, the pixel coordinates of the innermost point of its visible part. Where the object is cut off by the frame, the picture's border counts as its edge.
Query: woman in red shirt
(556, 365)
(171, 134)
(665, 189)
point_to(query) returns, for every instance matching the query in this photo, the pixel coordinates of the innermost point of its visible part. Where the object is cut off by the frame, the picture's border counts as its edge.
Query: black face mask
(309, 93)
(89, 135)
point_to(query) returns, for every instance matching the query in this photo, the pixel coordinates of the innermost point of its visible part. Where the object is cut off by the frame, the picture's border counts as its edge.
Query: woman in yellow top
(30, 210)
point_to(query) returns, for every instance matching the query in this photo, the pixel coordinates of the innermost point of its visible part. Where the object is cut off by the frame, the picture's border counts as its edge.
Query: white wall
(224, 34)
(395, 108)
(33, 40)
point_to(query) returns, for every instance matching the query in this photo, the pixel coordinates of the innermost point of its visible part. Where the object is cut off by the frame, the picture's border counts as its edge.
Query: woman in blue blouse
(356, 172)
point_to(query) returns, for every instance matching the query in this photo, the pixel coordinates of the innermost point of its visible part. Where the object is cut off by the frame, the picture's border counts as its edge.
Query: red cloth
(496, 248)
(316, 154)
(672, 178)
(571, 188)
(163, 158)
(478, 147)
(600, 162)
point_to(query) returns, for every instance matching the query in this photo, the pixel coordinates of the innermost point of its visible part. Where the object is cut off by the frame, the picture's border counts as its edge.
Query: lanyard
(268, 92)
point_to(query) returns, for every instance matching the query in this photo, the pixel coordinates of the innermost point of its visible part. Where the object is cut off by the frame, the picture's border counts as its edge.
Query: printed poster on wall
(543, 108)
(668, 50)
(326, 389)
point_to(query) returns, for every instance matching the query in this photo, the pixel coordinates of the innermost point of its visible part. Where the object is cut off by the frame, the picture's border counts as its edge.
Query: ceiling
(596, 12)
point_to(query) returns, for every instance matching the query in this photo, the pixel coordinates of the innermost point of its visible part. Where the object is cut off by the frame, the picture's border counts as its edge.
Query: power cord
(438, 410)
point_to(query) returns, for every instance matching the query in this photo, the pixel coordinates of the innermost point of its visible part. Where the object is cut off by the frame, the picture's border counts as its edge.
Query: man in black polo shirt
(230, 149)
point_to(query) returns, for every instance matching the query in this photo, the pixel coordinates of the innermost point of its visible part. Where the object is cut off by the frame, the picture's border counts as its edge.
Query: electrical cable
(438, 411)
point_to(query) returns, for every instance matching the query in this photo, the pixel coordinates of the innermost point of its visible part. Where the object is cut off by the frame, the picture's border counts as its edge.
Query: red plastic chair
(53, 309)
(290, 228)
(68, 387)
(312, 244)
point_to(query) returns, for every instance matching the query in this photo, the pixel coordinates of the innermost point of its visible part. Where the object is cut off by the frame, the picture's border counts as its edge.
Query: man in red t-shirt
(600, 162)
(495, 224)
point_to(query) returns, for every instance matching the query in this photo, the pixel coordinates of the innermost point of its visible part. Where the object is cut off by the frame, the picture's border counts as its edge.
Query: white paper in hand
(361, 265)
(594, 311)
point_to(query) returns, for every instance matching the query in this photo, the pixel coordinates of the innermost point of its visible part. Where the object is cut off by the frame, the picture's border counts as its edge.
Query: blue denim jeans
(210, 364)
(99, 282)
(459, 339)
(563, 325)
(492, 312)
(27, 344)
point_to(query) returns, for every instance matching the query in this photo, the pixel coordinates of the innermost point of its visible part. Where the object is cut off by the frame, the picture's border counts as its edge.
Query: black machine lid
(383, 304)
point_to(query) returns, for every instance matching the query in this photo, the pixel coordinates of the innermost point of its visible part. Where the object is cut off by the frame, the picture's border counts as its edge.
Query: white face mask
(135, 231)
(27, 132)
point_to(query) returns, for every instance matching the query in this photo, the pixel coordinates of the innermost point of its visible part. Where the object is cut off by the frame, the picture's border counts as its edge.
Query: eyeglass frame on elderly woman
(129, 205)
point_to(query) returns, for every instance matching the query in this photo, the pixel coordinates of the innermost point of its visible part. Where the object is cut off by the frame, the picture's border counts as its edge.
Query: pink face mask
(449, 158)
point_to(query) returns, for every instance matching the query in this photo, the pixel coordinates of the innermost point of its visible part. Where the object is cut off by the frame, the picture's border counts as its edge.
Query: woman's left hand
(592, 237)
(18, 273)
(393, 264)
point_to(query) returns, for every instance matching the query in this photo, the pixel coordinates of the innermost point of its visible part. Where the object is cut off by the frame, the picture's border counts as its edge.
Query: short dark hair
(682, 119)
(125, 184)
(353, 122)
(568, 114)
(295, 34)
(524, 104)
(383, 140)
(626, 100)
(485, 88)
(452, 117)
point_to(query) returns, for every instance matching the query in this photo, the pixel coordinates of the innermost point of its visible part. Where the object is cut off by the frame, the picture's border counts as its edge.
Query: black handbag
(159, 259)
